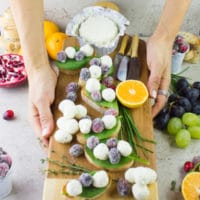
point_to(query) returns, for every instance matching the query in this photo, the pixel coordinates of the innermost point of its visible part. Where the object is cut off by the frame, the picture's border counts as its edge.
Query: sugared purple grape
(86, 179)
(76, 150)
(4, 168)
(96, 95)
(105, 69)
(114, 156)
(111, 142)
(61, 56)
(95, 61)
(71, 96)
(108, 81)
(123, 187)
(6, 158)
(92, 142)
(97, 125)
(72, 87)
(84, 74)
(111, 111)
(79, 55)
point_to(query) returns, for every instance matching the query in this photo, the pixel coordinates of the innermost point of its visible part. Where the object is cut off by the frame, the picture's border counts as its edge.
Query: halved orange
(190, 186)
(49, 28)
(132, 93)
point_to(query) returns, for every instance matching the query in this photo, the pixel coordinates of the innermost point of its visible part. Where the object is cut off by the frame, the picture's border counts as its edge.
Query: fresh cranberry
(188, 165)
(8, 115)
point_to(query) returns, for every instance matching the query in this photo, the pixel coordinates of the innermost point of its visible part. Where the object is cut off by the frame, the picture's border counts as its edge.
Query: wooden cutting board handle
(123, 44)
(134, 45)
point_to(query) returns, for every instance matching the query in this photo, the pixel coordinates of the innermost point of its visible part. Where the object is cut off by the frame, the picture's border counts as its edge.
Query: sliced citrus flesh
(132, 93)
(191, 186)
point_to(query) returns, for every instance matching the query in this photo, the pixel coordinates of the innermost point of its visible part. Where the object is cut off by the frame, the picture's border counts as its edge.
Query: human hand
(159, 53)
(42, 83)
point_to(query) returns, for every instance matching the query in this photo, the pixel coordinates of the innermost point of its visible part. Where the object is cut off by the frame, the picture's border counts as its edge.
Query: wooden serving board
(142, 117)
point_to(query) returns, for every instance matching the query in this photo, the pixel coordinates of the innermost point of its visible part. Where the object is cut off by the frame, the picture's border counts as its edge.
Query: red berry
(188, 165)
(8, 115)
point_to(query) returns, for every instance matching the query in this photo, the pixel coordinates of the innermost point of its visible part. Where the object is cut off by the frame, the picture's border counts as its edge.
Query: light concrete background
(19, 140)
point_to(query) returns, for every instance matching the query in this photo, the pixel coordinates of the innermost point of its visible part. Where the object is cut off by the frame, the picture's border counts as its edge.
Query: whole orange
(49, 28)
(55, 43)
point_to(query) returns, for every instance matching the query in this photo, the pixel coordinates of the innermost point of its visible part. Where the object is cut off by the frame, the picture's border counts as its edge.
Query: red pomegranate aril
(8, 115)
(188, 165)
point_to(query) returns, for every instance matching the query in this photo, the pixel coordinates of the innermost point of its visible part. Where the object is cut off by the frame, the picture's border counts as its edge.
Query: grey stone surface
(19, 140)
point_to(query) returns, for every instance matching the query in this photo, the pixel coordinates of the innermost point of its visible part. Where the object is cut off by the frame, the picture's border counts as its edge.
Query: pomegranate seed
(8, 115)
(188, 165)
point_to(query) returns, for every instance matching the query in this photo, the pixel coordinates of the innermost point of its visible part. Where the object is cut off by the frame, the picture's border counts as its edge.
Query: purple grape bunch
(5, 163)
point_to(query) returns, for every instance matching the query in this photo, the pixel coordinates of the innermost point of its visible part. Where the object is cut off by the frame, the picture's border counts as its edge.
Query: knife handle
(123, 44)
(134, 45)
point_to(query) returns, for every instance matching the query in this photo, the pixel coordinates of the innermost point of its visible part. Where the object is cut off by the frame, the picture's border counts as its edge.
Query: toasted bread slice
(107, 133)
(123, 164)
(100, 107)
(87, 194)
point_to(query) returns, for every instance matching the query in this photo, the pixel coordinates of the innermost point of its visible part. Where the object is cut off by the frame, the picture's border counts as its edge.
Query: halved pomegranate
(12, 70)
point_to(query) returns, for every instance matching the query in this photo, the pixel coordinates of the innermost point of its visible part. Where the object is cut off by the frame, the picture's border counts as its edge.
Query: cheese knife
(134, 64)
(119, 55)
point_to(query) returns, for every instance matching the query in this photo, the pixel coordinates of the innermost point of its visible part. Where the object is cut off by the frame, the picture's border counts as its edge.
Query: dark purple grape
(96, 95)
(85, 74)
(71, 96)
(161, 120)
(95, 61)
(111, 142)
(193, 94)
(172, 98)
(92, 142)
(76, 150)
(181, 83)
(114, 155)
(196, 85)
(105, 69)
(123, 187)
(86, 179)
(177, 111)
(185, 103)
(184, 91)
(72, 87)
(61, 56)
(79, 55)
(97, 125)
(196, 109)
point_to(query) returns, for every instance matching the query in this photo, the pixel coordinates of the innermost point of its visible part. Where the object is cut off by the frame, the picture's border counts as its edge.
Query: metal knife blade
(123, 68)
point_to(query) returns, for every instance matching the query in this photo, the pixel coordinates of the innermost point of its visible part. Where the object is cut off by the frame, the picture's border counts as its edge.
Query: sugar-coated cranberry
(8, 115)
(188, 165)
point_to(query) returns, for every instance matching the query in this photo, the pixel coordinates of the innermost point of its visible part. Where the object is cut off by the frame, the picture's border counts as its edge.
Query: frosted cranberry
(188, 165)
(8, 115)
(179, 39)
(183, 48)
(108, 81)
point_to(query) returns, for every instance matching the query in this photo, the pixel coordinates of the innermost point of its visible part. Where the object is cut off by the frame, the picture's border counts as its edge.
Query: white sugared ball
(101, 151)
(92, 84)
(85, 125)
(62, 137)
(108, 94)
(71, 52)
(64, 104)
(68, 125)
(106, 60)
(100, 179)
(81, 111)
(129, 175)
(74, 188)
(87, 49)
(69, 111)
(95, 71)
(109, 121)
(124, 148)
(140, 192)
